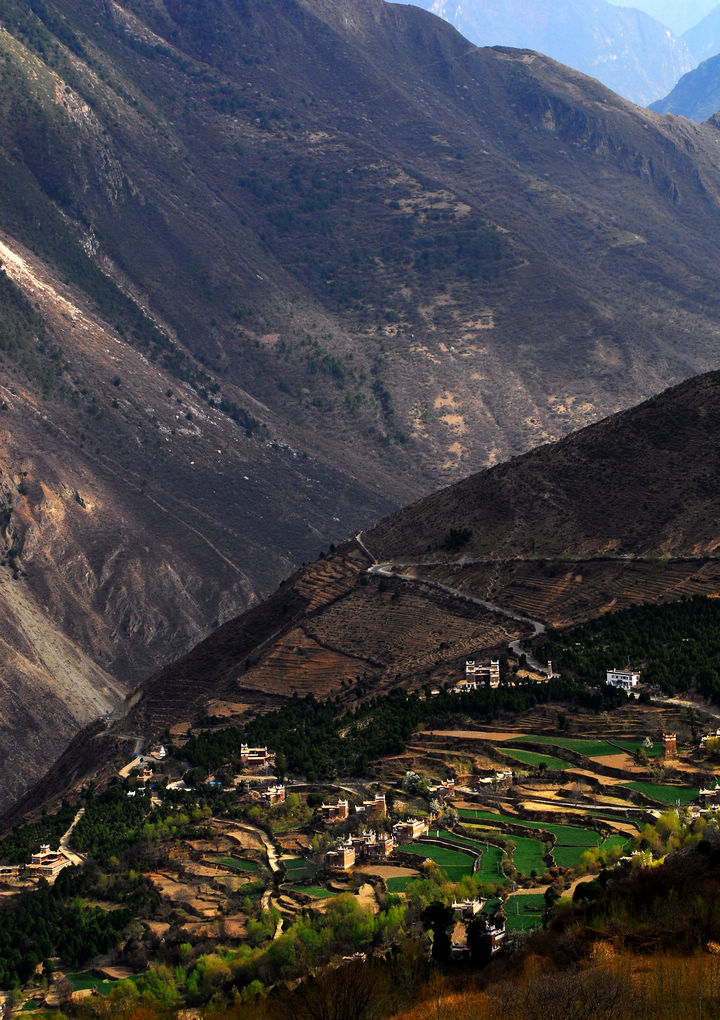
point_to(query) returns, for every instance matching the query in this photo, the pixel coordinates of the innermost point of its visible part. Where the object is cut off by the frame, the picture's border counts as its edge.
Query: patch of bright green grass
(523, 913)
(534, 758)
(616, 842)
(399, 883)
(663, 794)
(298, 868)
(316, 891)
(581, 745)
(238, 865)
(568, 856)
(454, 863)
(529, 855)
(566, 835)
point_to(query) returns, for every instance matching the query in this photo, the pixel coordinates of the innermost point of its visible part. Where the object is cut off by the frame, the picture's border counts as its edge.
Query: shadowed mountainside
(621, 512)
(259, 291)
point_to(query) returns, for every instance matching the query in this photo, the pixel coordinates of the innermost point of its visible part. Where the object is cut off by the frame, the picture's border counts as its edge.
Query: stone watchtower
(669, 745)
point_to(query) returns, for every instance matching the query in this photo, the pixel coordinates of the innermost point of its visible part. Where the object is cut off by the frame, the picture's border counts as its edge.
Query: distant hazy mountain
(678, 15)
(703, 39)
(624, 48)
(697, 94)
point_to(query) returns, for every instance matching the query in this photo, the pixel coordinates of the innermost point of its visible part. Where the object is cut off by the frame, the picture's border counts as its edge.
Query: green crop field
(233, 862)
(316, 891)
(454, 863)
(633, 746)
(460, 839)
(489, 867)
(529, 855)
(399, 883)
(663, 794)
(524, 913)
(298, 868)
(568, 856)
(581, 745)
(535, 758)
(616, 842)
(566, 835)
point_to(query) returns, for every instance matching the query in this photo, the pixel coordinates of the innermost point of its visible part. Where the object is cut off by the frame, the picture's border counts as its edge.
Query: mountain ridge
(545, 537)
(282, 291)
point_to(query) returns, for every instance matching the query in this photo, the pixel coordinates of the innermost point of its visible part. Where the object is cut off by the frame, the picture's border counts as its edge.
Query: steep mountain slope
(621, 512)
(627, 50)
(679, 15)
(703, 39)
(697, 94)
(259, 291)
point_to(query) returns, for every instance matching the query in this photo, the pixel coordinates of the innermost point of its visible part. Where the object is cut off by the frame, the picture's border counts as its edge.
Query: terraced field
(454, 863)
(566, 835)
(664, 794)
(235, 864)
(588, 748)
(529, 856)
(298, 868)
(534, 758)
(399, 883)
(298, 663)
(315, 891)
(524, 911)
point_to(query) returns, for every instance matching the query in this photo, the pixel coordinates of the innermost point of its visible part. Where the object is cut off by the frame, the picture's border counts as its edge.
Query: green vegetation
(238, 865)
(54, 921)
(525, 911)
(529, 856)
(399, 883)
(17, 847)
(568, 856)
(663, 794)
(674, 643)
(454, 863)
(316, 891)
(589, 748)
(23, 340)
(317, 740)
(533, 758)
(299, 868)
(566, 835)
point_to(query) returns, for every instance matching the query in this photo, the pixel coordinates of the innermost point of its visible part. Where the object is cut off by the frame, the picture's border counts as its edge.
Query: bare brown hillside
(274, 268)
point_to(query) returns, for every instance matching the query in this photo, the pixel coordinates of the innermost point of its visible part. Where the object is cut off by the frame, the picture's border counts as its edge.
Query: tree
(439, 918)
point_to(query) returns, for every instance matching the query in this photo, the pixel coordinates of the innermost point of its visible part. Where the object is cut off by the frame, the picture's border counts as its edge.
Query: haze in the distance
(679, 15)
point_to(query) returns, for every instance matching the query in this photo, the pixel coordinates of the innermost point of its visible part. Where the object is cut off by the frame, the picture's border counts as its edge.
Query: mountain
(697, 94)
(703, 39)
(258, 292)
(678, 16)
(619, 513)
(627, 50)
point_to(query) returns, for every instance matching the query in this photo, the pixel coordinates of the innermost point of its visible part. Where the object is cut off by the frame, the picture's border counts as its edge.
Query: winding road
(389, 570)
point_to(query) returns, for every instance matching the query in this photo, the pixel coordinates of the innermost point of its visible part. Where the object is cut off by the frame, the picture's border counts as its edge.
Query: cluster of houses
(46, 864)
(493, 927)
(373, 846)
(479, 675)
(340, 812)
(370, 846)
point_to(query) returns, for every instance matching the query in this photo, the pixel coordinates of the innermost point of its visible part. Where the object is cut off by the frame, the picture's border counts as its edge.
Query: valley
(247, 309)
